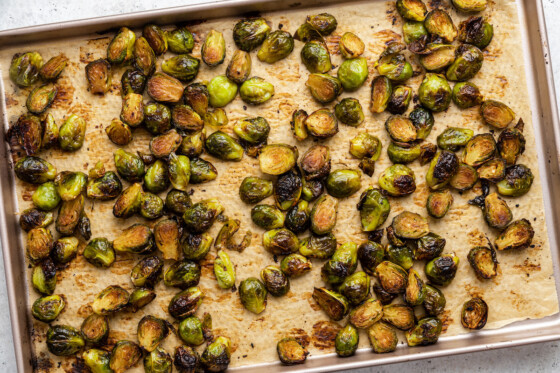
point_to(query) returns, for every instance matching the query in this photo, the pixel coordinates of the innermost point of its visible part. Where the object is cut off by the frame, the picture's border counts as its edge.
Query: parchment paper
(523, 289)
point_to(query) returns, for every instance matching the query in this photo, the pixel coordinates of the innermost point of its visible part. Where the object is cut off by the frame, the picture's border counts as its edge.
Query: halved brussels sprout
(280, 241)
(400, 129)
(69, 215)
(298, 124)
(325, 23)
(200, 216)
(413, 31)
(454, 138)
(40, 98)
(256, 91)
(295, 265)
(179, 171)
(34, 170)
(438, 57)
(394, 65)
(137, 238)
(99, 252)
(442, 168)
(196, 246)
(324, 87)
(119, 133)
(252, 293)
(267, 216)
(43, 277)
(95, 329)
(250, 33)
(381, 89)
(124, 355)
(315, 56)
(178, 201)
(398, 180)
(517, 181)
(46, 196)
(298, 217)
(276, 159)
(147, 272)
(185, 303)
(415, 290)
(186, 118)
(110, 300)
(343, 263)
(287, 189)
(275, 281)
(97, 360)
(157, 118)
(439, 202)
(156, 179)
(429, 247)
(350, 45)
(403, 154)
(518, 235)
(476, 31)
(47, 309)
(367, 314)
(465, 178)
(121, 48)
(479, 149)
(139, 298)
(467, 63)
(382, 337)
(98, 74)
(334, 304)
(356, 289)
(474, 313)
(222, 146)
(343, 183)
(466, 95)
(183, 67)
(322, 123)
(346, 341)
(132, 81)
(381, 294)
(320, 247)
(400, 316)
(221, 91)
(156, 38)
(84, 227)
(65, 249)
(165, 88)
(180, 40)
(401, 255)
(25, 67)
(63, 340)
(370, 254)
(277, 45)
(511, 143)
(224, 270)
(374, 209)
(158, 361)
(412, 10)
(400, 99)
(72, 133)
(128, 202)
(323, 215)
(27, 131)
(213, 49)
(254, 189)
(193, 144)
(469, 6)
(186, 359)
(190, 331)
(202, 171)
(144, 56)
(496, 212)
(239, 68)
(166, 234)
(291, 352)
(434, 302)
(349, 111)
(434, 92)
(312, 189)
(50, 132)
(392, 277)
(151, 332)
(316, 162)
(442, 270)
(426, 332)
(129, 165)
(252, 130)
(438, 22)
(34, 218)
(483, 261)
(70, 185)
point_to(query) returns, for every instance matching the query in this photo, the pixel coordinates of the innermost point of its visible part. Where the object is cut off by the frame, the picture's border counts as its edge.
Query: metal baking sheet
(545, 120)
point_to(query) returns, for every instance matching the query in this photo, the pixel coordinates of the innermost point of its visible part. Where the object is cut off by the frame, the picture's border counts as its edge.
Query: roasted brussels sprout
(353, 73)
(280, 241)
(98, 74)
(355, 288)
(412, 10)
(158, 361)
(427, 152)
(125, 355)
(110, 300)
(392, 277)
(185, 303)
(275, 281)
(465, 178)
(221, 91)
(121, 48)
(467, 63)
(252, 293)
(156, 38)
(202, 171)
(50, 132)
(434, 92)
(27, 131)
(69, 185)
(511, 143)
(72, 133)
(401, 255)
(34, 170)
(298, 217)
(438, 22)
(41, 98)
(399, 100)
(382, 337)
(342, 264)
(138, 238)
(95, 329)
(350, 46)
(156, 179)
(186, 118)
(469, 6)
(63, 340)
(119, 133)
(267, 216)
(25, 67)
(320, 247)
(35, 218)
(224, 270)
(186, 359)
(374, 209)
(132, 81)
(454, 138)
(43, 277)
(193, 144)
(370, 254)
(397, 180)
(343, 183)
(216, 356)
(316, 58)
(47, 309)
(312, 190)
(157, 118)
(438, 56)
(479, 149)
(239, 68)
(196, 246)
(190, 331)
(323, 215)
(517, 181)
(256, 91)
(129, 165)
(413, 31)
(423, 121)
(346, 341)
(147, 272)
(249, 33)
(277, 159)
(180, 40)
(325, 23)
(254, 189)
(298, 124)
(349, 111)
(213, 49)
(221, 145)
(399, 315)
(295, 265)
(252, 130)
(199, 217)
(167, 233)
(197, 97)
(438, 203)
(466, 95)
(476, 31)
(144, 57)
(518, 235)
(139, 298)
(400, 129)
(179, 171)
(334, 304)
(128, 202)
(442, 270)
(367, 314)
(322, 124)
(394, 66)
(483, 261)
(415, 290)
(442, 168)
(403, 154)
(434, 302)
(381, 294)
(324, 87)
(277, 45)
(474, 313)
(381, 89)
(178, 201)
(496, 212)
(97, 360)
(151, 332)
(316, 162)
(183, 67)
(69, 215)
(65, 249)
(426, 332)
(99, 252)
(46, 196)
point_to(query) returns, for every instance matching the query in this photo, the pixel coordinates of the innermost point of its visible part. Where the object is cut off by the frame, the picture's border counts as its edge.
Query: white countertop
(543, 357)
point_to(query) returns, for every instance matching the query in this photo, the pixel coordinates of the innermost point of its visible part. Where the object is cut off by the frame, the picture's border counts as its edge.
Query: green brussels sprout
(350, 46)
(382, 337)
(392, 238)
(316, 162)
(434, 92)
(412, 10)
(465, 178)
(355, 288)
(224, 240)
(496, 212)
(316, 58)
(320, 247)
(132, 81)
(454, 138)
(479, 149)
(252, 130)
(179, 171)
(72, 133)
(221, 91)
(69, 214)
(46, 196)
(213, 49)
(147, 272)
(324, 87)
(256, 91)
(186, 118)
(374, 208)
(25, 67)
(469, 6)
(216, 118)
(415, 289)
(398, 180)
(474, 313)
(95, 329)
(438, 22)
(423, 121)
(442, 168)
(99, 252)
(254, 189)
(381, 89)
(312, 190)
(322, 123)
(342, 264)
(97, 360)
(216, 357)
(224, 270)
(367, 148)
(370, 254)
(438, 203)
(399, 315)
(222, 146)
(334, 304)
(156, 179)
(353, 73)
(252, 293)
(466, 95)
(467, 63)
(40, 98)
(483, 261)
(366, 314)
(151, 332)
(442, 270)
(27, 131)
(63, 340)
(129, 165)
(518, 235)
(151, 206)
(178, 201)
(196, 246)
(119, 133)
(180, 40)
(65, 249)
(295, 265)
(249, 33)
(343, 183)
(400, 129)
(306, 32)
(401, 255)
(197, 97)
(323, 215)
(277, 45)
(199, 217)
(413, 31)
(47, 309)
(70, 185)
(275, 281)
(166, 88)
(156, 38)
(280, 241)
(438, 56)
(267, 216)
(426, 332)
(124, 356)
(298, 217)
(394, 66)
(403, 154)
(157, 118)
(391, 277)
(35, 218)
(138, 239)
(511, 143)
(192, 144)
(202, 171)
(139, 298)
(43, 277)
(349, 111)
(185, 303)
(158, 361)
(111, 299)
(434, 301)
(239, 68)
(346, 341)
(325, 23)
(183, 67)
(399, 100)
(427, 152)
(476, 31)
(144, 56)
(128, 202)
(517, 181)
(50, 132)
(190, 331)
(121, 48)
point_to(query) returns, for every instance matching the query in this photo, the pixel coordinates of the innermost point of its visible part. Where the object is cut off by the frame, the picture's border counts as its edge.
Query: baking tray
(547, 135)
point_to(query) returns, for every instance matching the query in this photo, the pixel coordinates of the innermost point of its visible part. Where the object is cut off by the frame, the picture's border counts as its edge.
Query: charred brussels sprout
(275, 281)
(349, 111)
(139, 298)
(196, 246)
(438, 203)
(517, 235)
(110, 300)
(256, 91)
(69, 215)
(138, 239)
(193, 144)
(467, 63)
(50, 132)
(394, 66)
(183, 67)
(476, 31)
(323, 215)
(47, 309)
(295, 265)
(185, 303)
(128, 202)
(315, 56)
(156, 38)
(322, 124)
(158, 361)
(343, 263)
(382, 337)
(41, 98)
(434, 92)
(413, 31)
(367, 314)
(72, 133)
(343, 183)
(267, 216)
(129, 165)
(381, 89)
(400, 99)
(121, 48)
(186, 359)
(466, 95)
(346, 341)
(479, 149)
(221, 91)
(178, 201)
(224, 270)
(415, 289)
(370, 254)
(97, 360)
(517, 182)
(426, 332)
(324, 87)
(496, 212)
(403, 154)
(99, 252)
(95, 329)
(438, 22)
(325, 23)
(252, 130)
(157, 118)
(454, 138)
(65, 249)
(197, 97)
(392, 277)
(147, 272)
(312, 190)
(374, 209)
(202, 171)
(350, 45)
(165, 88)
(144, 56)
(423, 121)
(179, 171)
(474, 314)
(43, 277)
(412, 10)
(400, 129)
(353, 73)
(70, 185)
(186, 118)
(27, 131)
(200, 217)
(442, 270)
(429, 247)
(156, 179)
(34, 170)
(316, 162)
(334, 304)
(298, 217)
(248, 34)
(397, 180)
(46, 196)
(166, 234)
(190, 331)
(35, 218)
(469, 6)
(180, 40)
(213, 49)
(483, 261)
(496, 114)
(442, 168)
(25, 67)
(132, 81)
(222, 146)
(252, 293)
(216, 356)
(438, 57)
(239, 68)
(355, 288)
(254, 189)
(511, 143)
(465, 178)
(63, 340)
(277, 45)
(280, 241)
(119, 133)
(434, 302)
(151, 332)
(125, 355)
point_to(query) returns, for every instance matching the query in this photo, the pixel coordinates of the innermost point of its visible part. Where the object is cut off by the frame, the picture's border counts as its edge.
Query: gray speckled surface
(544, 357)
